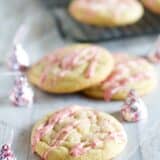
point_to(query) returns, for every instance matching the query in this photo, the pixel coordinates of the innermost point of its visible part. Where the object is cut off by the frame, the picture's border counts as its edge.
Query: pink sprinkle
(91, 69)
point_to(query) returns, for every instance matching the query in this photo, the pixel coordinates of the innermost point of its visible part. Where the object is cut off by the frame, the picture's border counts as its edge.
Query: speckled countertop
(43, 37)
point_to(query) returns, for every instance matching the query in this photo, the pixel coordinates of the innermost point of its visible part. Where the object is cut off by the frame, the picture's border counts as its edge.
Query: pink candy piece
(6, 153)
(18, 59)
(22, 94)
(134, 108)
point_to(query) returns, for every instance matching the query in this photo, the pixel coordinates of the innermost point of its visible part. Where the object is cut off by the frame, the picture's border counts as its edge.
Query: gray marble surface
(42, 37)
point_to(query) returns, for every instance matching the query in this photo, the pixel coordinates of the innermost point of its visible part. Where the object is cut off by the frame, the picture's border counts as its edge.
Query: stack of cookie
(78, 132)
(94, 71)
(110, 13)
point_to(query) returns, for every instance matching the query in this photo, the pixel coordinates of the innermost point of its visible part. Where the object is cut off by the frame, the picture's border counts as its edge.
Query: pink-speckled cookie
(106, 13)
(152, 5)
(71, 69)
(78, 133)
(130, 72)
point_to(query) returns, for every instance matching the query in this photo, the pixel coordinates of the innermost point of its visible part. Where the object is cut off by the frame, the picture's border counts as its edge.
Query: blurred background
(50, 26)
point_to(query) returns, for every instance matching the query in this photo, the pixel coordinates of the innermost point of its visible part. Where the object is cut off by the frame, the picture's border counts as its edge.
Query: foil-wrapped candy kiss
(134, 108)
(18, 59)
(22, 93)
(7, 134)
(6, 153)
(154, 55)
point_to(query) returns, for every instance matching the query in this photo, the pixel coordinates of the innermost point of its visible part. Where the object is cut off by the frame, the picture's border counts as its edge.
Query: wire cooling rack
(56, 3)
(70, 28)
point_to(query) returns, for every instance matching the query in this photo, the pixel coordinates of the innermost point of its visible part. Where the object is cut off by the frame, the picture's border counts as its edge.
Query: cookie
(71, 69)
(129, 73)
(152, 5)
(78, 133)
(106, 13)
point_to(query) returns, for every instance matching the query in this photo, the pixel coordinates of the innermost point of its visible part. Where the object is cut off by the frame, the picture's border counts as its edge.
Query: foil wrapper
(18, 59)
(154, 55)
(134, 108)
(22, 93)
(6, 140)
(6, 153)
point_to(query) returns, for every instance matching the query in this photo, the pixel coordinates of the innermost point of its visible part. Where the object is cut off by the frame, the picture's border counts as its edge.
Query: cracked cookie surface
(129, 73)
(71, 69)
(78, 133)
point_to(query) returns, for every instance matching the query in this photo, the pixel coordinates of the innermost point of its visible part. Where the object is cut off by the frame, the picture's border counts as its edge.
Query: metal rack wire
(56, 3)
(70, 28)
